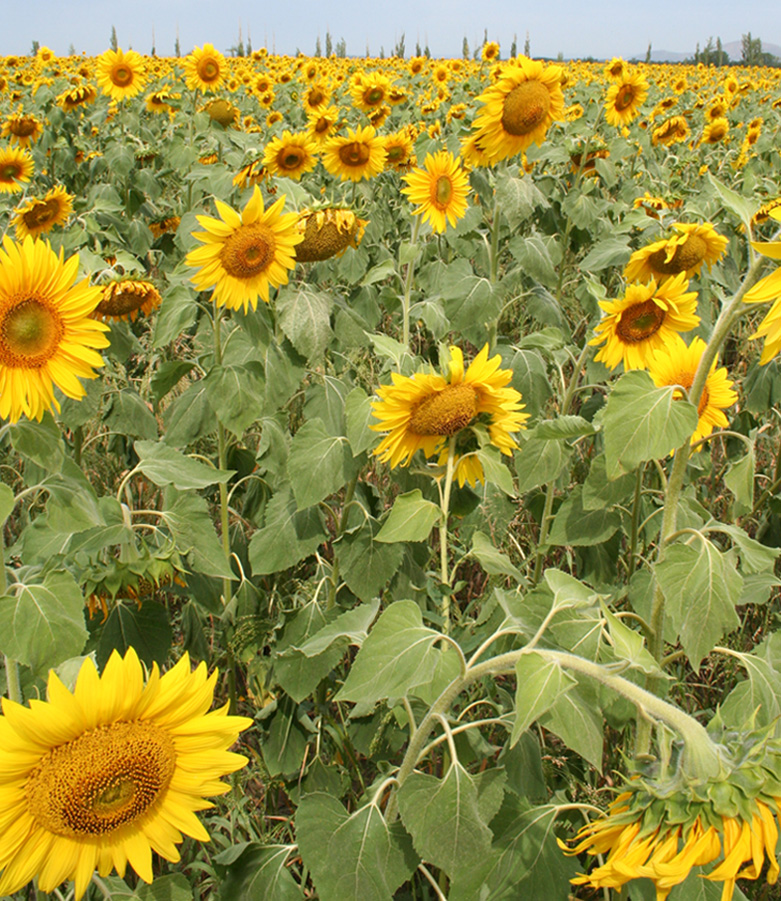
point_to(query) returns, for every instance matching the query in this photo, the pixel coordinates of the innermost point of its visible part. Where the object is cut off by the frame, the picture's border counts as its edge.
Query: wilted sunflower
(243, 253)
(223, 112)
(685, 253)
(489, 52)
(126, 298)
(204, 69)
(423, 411)
(22, 130)
(676, 364)
(623, 100)
(120, 74)
(643, 321)
(357, 155)
(291, 155)
(76, 97)
(439, 190)
(16, 167)
(167, 225)
(102, 776)
(39, 215)
(327, 233)
(674, 130)
(47, 337)
(519, 108)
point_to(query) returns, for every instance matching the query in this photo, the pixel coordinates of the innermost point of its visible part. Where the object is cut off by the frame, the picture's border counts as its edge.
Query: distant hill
(733, 49)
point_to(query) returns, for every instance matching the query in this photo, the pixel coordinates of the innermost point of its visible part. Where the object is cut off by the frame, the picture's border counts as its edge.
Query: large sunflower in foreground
(16, 167)
(39, 215)
(357, 155)
(205, 69)
(423, 411)
(676, 364)
(623, 100)
(519, 109)
(243, 253)
(103, 776)
(684, 252)
(439, 190)
(768, 288)
(47, 337)
(643, 321)
(120, 74)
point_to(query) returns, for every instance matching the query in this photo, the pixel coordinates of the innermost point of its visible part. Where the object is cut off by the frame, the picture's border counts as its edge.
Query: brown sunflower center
(291, 157)
(10, 172)
(395, 153)
(443, 191)
(687, 255)
(625, 97)
(374, 96)
(120, 303)
(101, 780)
(355, 153)
(316, 97)
(121, 76)
(446, 412)
(640, 321)
(30, 332)
(23, 127)
(41, 214)
(208, 70)
(248, 251)
(525, 107)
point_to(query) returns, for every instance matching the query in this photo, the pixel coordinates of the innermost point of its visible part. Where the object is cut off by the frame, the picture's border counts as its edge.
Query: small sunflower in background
(489, 52)
(676, 364)
(322, 124)
(674, 130)
(291, 155)
(121, 74)
(126, 298)
(519, 108)
(102, 776)
(75, 98)
(715, 132)
(205, 69)
(39, 215)
(371, 92)
(242, 254)
(400, 150)
(158, 102)
(624, 98)
(424, 411)
(223, 112)
(357, 155)
(23, 130)
(16, 167)
(47, 335)
(768, 288)
(643, 321)
(685, 252)
(439, 190)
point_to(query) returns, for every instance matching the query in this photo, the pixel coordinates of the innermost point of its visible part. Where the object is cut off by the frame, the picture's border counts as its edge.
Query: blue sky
(600, 28)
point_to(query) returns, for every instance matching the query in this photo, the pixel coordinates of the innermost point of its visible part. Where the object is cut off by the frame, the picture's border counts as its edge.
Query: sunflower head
(327, 233)
(360, 154)
(686, 251)
(291, 155)
(222, 112)
(40, 215)
(624, 98)
(121, 74)
(439, 189)
(126, 298)
(16, 167)
(205, 69)
(22, 129)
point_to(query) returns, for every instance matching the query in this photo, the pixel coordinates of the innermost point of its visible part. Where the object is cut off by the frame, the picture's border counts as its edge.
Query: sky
(574, 28)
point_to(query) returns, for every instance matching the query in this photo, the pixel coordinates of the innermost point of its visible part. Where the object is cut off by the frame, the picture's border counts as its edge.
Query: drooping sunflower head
(22, 129)
(519, 108)
(684, 252)
(223, 112)
(328, 233)
(165, 226)
(159, 102)
(291, 155)
(489, 52)
(37, 216)
(245, 253)
(16, 167)
(673, 130)
(47, 337)
(120, 774)
(126, 298)
(635, 326)
(439, 190)
(623, 100)
(355, 156)
(205, 69)
(428, 410)
(121, 74)
(76, 97)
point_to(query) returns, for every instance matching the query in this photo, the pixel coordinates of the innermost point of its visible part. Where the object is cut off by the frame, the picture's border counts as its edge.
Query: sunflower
(243, 253)
(370, 92)
(158, 102)
(120, 74)
(204, 69)
(643, 321)
(489, 52)
(519, 108)
(358, 154)
(676, 364)
(223, 112)
(616, 69)
(16, 167)
(423, 411)
(167, 225)
(623, 100)
(327, 233)
(290, 156)
(250, 175)
(399, 148)
(674, 130)
(126, 298)
(47, 337)
(715, 131)
(316, 97)
(682, 253)
(22, 130)
(439, 189)
(39, 215)
(102, 776)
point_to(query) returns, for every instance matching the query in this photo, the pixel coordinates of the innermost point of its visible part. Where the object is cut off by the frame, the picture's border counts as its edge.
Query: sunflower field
(391, 478)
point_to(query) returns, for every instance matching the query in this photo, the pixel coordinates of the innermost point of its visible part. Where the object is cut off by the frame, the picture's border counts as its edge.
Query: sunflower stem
(222, 464)
(408, 280)
(634, 527)
(495, 240)
(445, 509)
(341, 525)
